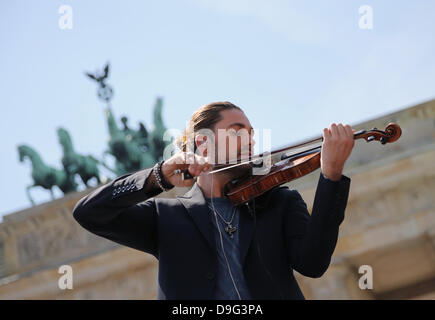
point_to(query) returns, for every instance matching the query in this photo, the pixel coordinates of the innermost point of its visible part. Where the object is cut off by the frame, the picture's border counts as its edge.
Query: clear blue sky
(294, 66)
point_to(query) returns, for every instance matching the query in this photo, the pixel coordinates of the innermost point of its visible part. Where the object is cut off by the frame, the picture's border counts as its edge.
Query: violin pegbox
(391, 133)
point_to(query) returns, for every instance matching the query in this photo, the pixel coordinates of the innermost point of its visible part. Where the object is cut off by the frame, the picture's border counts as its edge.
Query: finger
(194, 170)
(191, 170)
(341, 131)
(349, 131)
(326, 134)
(205, 168)
(197, 168)
(334, 130)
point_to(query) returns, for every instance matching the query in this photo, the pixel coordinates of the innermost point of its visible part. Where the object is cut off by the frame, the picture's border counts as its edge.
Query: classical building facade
(389, 228)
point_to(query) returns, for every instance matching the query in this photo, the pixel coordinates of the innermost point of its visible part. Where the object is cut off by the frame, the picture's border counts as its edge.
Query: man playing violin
(207, 247)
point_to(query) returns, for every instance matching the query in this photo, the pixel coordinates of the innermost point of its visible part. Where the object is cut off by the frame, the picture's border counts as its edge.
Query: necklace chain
(229, 228)
(232, 218)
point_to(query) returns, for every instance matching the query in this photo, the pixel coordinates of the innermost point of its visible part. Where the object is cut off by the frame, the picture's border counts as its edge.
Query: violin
(291, 166)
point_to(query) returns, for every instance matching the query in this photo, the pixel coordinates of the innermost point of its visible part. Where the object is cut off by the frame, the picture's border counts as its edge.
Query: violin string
(356, 135)
(252, 160)
(282, 149)
(222, 167)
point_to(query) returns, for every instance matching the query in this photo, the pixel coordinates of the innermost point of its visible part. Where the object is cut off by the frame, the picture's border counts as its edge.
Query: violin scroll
(391, 133)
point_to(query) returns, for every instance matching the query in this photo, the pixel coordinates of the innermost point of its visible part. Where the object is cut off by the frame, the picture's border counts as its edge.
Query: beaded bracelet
(157, 169)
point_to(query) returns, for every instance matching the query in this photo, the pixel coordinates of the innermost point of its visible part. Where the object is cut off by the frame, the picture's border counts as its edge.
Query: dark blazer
(281, 236)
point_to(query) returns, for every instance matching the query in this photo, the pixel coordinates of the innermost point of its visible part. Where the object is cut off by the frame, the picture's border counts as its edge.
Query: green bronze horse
(45, 176)
(85, 166)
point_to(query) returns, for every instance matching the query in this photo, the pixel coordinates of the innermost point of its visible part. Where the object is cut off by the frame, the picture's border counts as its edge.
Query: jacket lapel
(195, 204)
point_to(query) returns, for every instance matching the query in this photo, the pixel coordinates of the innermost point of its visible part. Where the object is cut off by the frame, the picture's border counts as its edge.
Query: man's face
(233, 138)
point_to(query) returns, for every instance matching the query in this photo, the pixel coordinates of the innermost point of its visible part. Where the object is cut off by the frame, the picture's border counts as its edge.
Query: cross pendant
(230, 230)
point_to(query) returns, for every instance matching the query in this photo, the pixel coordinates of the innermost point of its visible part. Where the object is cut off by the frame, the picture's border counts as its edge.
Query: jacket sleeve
(311, 239)
(122, 211)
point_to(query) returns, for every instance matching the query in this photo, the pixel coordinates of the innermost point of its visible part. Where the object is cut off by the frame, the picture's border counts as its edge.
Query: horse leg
(28, 194)
(95, 172)
(85, 180)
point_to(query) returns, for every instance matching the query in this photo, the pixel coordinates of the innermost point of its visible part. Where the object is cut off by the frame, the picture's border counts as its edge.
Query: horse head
(25, 151)
(65, 139)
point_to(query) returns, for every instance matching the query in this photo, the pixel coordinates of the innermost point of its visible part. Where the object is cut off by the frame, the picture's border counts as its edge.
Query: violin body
(281, 172)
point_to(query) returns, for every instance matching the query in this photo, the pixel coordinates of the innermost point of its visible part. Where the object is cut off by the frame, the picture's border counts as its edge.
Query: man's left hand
(337, 146)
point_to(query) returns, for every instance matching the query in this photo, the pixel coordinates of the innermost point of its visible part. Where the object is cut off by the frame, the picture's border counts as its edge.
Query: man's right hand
(184, 161)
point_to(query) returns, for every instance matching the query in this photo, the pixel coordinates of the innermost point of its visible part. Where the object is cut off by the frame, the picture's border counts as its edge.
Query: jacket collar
(195, 204)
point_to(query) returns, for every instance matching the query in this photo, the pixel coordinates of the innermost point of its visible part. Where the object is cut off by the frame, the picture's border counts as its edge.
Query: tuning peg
(371, 138)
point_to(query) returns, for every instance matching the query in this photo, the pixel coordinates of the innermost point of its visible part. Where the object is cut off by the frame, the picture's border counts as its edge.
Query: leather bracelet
(163, 184)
